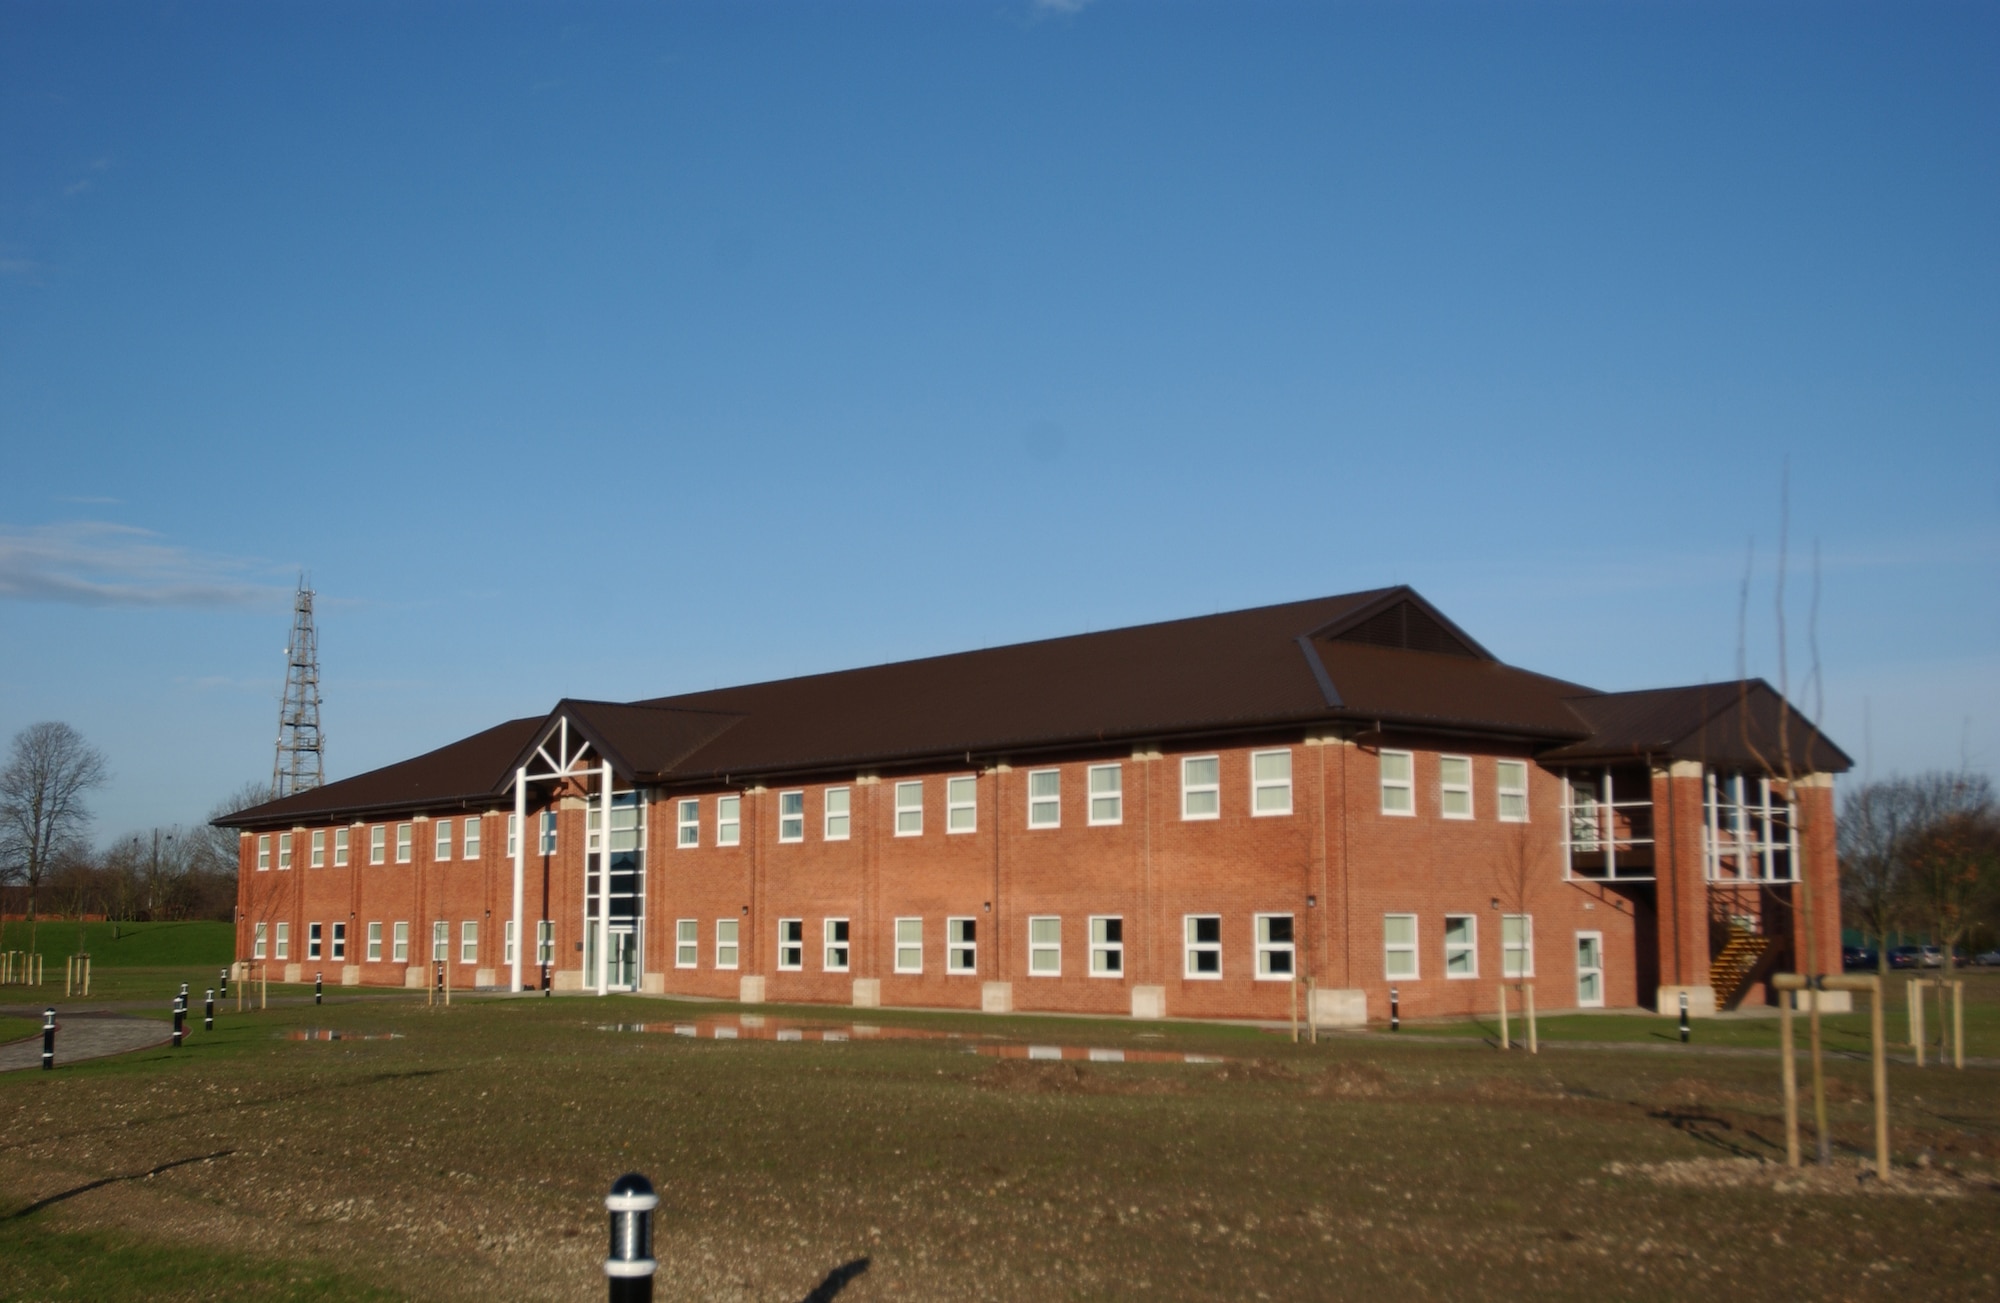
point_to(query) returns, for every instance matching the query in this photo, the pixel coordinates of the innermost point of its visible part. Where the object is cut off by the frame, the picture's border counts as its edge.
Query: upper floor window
(1398, 791)
(1270, 782)
(687, 823)
(284, 850)
(378, 845)
(1044, 798)
(318, 859)
(909, 809)
(441, 840)
(1455, 787)
(1107, 794)
(1511, 778)
(549, 824)
(728, 820)
(791, 816)
(513, 836)
(340, 848)
(1201, 787)
(405, 842)
(961, 804)
(263, 852)
(839, 815)
(470, 844)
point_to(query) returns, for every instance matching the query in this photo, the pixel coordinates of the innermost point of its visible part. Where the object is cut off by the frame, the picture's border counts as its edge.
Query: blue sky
(618, 350)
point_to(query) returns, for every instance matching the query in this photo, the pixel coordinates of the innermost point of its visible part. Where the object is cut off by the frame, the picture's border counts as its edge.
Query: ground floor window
(1461, 945)
(961, 945)
(1276, 950)
(507, 944)
(468, 942)
(1399, 945)
(1517, 945)
(284, 941)
(1107, 946)
(1203, 943)
(727, 931)
(545, 942)
(791, 944)
(909, 945)
(257, 952)
(312, 940)
(339, 943)
(1045, 946)
(401, 953)
(1590, 970)
(374, 943)
(440, 941)
(835, 936)
(687, 943)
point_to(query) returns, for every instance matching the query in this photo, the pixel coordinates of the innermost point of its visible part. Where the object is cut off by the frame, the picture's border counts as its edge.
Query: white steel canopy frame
(559, 754)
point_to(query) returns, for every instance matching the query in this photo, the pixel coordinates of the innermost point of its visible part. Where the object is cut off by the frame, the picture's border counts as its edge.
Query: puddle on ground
(755, 1027)
(329, 1034)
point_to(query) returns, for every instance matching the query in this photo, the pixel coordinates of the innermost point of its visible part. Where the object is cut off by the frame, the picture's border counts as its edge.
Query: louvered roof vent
(1410, 627)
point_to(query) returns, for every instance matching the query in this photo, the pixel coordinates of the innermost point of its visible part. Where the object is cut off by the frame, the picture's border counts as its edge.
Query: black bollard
(1684, 1018)
(222, 983)
(319, 986)
(545, 981)
(630, 1267)
(1395, 1011)
(180, 1020)
(208, 1012)
(49, 1038)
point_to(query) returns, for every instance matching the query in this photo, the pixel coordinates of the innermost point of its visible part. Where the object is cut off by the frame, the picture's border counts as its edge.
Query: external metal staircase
(1732, 972)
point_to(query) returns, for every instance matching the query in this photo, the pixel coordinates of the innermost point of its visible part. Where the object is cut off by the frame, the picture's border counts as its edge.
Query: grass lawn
(13, 1029)
(467, 1157)
(195, 944)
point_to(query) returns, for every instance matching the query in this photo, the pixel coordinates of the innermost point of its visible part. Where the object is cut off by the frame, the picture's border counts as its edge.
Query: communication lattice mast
(299, 766)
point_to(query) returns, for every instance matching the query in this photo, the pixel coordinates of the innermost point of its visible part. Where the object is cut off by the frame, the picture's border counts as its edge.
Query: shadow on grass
(1703, 1127)
(836, 1281)
(99, 1184)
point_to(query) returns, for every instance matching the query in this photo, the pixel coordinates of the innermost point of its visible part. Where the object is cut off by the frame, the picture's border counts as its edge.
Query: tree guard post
(1788, 1078)
(1503, 1016)
(629, 1270)
(1528, 1012)
(1787, 985)
(1957, 1024)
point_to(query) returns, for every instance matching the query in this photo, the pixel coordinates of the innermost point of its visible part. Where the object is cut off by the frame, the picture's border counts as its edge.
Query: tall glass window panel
(1107, 794)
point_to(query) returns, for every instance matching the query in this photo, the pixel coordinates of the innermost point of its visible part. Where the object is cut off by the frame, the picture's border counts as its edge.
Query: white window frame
(1447, 790)
(1468, 947)
(687, 943)
(1050, 802)
(729, 941)
(378, 844)
(315, 939)
(507, 944)
(263, 852)
(1407, 784)
(1260, 786)
(440, 941)
(1411, 949)
(1105, 946)
(284, 850)
(336, 943)
(1267, 949)
(1209, 788)
(838, 805)
(316, 849)
(687, 824)
(551, 830)
(792, 816)
(1598, 971)
(340, 848)
(729, 821)
(1044, 949)
(1113, 796)
(961, 798)
(261, 943)
(909, 945)
(1191, 946)
(836, 935)
(375, 941)
(545, 943)
(471, 837)
(1502, 790)
(792, 939)
(910, 808)
(961, 945)
(399, 943)
(441, 831)
(1523, 950)
(406, 843)
(468, 941)
(283, 946)
(513, 835)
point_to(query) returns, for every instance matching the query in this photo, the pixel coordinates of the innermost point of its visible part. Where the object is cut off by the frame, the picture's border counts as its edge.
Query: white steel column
(520, 840)
(604, 886)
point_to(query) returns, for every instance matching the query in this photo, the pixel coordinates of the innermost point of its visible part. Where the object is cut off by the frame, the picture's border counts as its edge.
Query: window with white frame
(405, 842)
(284, 850)
(961, 945)
(1590, 970)
(1202, 945)
(1276, 949)
(549, 825)
(1511, 781)
(468, 941)
(1517, 945)
(312, 940)
(728, 820)
(727, 948)
(374, 943)
(1044, 798)
(441, 840)
(1201, 787)
(687, 823)
(834, 945)
(440, 941)
(1107, 946)
(263, 852)
(469, 844)
(791, 945)
(507, 944)
(1398, 783)
(1045, 946)
(513, 835)
(1455, 787)
(337, 943)
(839, 819)
(687, 943)
(961, 804)
(1107, 795)
(317, 855)
(1270, 782)
(340, 848)
(1399, 945)
(378, 845)
(257, 949)
(1461, 945)
(545, 942)
(284, 948)
(399, 948)
(909, 945)
(909, 809)
(791, 816)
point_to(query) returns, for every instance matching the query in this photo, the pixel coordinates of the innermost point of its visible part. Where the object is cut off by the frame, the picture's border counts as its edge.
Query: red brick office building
(1178, 819)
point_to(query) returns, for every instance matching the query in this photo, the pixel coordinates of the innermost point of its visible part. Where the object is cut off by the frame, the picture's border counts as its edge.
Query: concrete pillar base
(1701, 1001)
(1338, 1007)
(653, 984)
(868, 993)
(350, 975)
(750, 990)
(566, 979)
(1149, 1002)
(295, 972)
(413, 978)
(485, 977)
(997, 997)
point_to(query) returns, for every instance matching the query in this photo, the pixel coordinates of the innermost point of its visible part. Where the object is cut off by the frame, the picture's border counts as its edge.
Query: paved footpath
(87, 1036)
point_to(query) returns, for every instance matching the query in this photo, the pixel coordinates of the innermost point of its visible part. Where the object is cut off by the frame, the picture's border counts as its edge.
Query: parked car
(1905, 956)
(1857, 958)
(1989, 958)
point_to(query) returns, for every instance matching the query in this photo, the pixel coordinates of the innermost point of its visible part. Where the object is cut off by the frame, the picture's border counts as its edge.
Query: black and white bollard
(49, 1038)
(222, 983)
(629, 1270)
(319, 987)
(180, 1020)
(208, 1011)
(1395, 1011)
(1684, 1018)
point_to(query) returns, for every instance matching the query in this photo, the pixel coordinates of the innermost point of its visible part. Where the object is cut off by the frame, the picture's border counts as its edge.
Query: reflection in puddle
(329, 1034)
(756, 1027)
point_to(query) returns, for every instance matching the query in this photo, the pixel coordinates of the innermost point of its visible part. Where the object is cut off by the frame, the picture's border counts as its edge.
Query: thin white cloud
(1059, 6)
(19, 266)
(77, 187)
(94, 563)
(84, 501)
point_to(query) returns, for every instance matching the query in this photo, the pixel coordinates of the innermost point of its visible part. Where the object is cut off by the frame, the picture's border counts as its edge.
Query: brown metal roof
(1732, 725)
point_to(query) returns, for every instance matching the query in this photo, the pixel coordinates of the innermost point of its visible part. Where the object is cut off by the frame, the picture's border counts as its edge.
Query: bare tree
(1877, 824)
(42, 811)
(213, 850)
(1954, 858)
